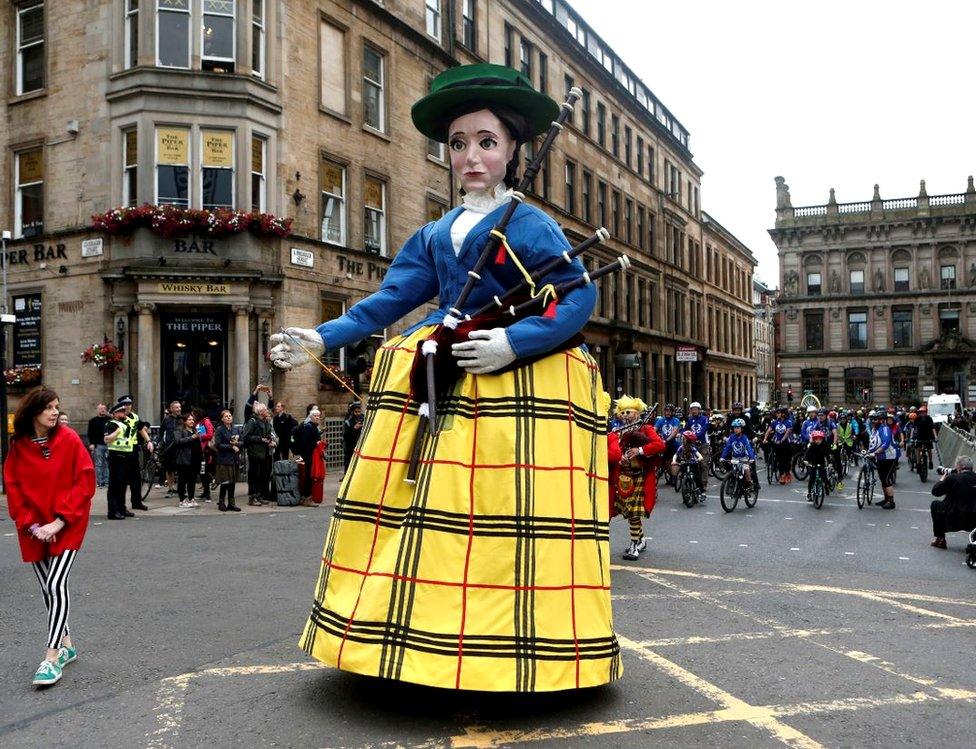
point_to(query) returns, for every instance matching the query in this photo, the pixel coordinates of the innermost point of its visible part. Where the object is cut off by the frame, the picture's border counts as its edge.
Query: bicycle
(734, 486)
(772, 470)
(715, 465)
(818, 491)
(149, 468)
(923, 454)
(867, 479)
(800, 466)
(685, 484)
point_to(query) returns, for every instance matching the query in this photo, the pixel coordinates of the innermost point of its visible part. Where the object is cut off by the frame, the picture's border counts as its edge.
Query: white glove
(485, 351)
(287, 354)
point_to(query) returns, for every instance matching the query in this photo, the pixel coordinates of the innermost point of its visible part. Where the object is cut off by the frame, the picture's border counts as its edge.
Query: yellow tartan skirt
(492, 571)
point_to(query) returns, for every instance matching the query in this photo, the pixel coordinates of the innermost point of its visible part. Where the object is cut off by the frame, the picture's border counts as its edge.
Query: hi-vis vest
(126, 441)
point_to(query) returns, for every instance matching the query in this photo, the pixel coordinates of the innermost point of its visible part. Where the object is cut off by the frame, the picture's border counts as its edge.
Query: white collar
(481, 202)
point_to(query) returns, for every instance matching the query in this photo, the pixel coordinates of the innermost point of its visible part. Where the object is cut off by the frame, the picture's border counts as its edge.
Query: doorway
(194, 360)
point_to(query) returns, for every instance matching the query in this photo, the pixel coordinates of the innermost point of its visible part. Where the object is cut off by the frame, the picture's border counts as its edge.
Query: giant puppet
(485, 564)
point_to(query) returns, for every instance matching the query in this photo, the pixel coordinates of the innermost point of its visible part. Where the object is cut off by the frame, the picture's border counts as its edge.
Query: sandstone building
(878, 297)
(301, 109)
(764, 339)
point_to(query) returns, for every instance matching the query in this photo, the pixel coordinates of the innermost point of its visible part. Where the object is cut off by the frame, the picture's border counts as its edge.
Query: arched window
(816, 381)
(903, 385)
(856, 272)
(813, 275)
(858, 384)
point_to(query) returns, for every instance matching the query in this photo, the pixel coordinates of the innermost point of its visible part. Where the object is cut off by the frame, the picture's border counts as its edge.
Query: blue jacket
(782, 429)
(738, 446)
(881, 445)
(807, 427)
(426, 266)
(699, 425)
(667, 427)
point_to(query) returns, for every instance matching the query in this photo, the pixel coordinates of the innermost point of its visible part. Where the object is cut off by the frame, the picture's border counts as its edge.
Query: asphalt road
(780, 625)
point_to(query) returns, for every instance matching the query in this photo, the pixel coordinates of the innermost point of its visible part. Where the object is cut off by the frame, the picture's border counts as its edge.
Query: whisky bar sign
(193, 289)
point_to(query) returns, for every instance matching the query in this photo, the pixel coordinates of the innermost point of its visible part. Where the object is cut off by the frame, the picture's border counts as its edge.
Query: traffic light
(789, 394)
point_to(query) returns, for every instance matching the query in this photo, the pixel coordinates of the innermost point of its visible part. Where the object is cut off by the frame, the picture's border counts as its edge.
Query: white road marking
(744, 546)
(693, 542)
(849, 553)
(794, 548)
(904, 559)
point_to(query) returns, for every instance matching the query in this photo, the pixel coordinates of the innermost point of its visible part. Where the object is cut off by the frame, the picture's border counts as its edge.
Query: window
(640, 227)
(332, 55)
(650, 164)
(374, 114)
(651, 221)
(259, 147)
(587, 197)
(813, 324)
(641, 302)
(948, 317)
(509, 41)
(29, 192)
(815, 381)
(435, 149)
(257, 38)
(543, 73)
(601, 124)
(374, 219)
(218, 37)
(333, 189)
(696, 207)
(628, 220)
(30, 49)
(130, 161)
(615, 135)
(628, 137)
(857, 380)
(813, 284)
(948, 275)
(601, 203)
(468, 28)
(857, 281)
(571, 188)
(173, 166)
(525, 58)
(173, 33)
(903, 384)
(640, 156)
(217, 169)
(434, 19)
(131, 34)
(568, 80)
(902, 327)
(902, 282)
(335, 358)
(857, 329)
(585, 111)
(615, 212)
(436, 208)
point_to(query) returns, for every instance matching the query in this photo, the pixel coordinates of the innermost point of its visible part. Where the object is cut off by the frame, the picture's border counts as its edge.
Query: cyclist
(925, 431)
(740, 446)
(846, 435)
(883, 450)
(736, 415)
(780, 433)
(687, 452)
(697, 424)
(808, 425)
(816, 456)
(668, 427)
(908, 435)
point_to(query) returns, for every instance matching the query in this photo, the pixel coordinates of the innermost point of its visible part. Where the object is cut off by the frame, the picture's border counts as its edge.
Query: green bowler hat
(492, 84)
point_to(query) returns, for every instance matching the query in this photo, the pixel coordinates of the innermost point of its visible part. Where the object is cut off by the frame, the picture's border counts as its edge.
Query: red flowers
(173, 221)
(104, 356)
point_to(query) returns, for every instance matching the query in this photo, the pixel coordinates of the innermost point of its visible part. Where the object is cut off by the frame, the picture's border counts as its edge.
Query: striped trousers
(52, 573)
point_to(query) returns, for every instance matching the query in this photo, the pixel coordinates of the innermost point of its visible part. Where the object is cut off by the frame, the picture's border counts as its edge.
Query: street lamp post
(5, 319)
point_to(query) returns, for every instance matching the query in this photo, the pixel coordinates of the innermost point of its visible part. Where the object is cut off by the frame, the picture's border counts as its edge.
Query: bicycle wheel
(717, 471)
(689, 493)
(844, 463)
(922, 465)
(147, 474)
(799, 469)
(728, 493)
(752, 496)
(771, 474)
(862, 481)
(818, 494)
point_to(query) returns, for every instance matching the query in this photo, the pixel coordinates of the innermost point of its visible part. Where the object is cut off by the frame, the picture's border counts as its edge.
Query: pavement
(772, 626)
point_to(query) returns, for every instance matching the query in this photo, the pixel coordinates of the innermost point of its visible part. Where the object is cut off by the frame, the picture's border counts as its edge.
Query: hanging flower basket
(104, 356)
(22, 375)
(172, 221)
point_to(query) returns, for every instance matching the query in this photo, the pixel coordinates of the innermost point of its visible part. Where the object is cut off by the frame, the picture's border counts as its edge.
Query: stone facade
(878, 298)
(763, 300)
(311, 112)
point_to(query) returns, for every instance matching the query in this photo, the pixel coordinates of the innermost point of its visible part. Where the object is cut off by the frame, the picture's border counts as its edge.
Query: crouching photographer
(957, 512)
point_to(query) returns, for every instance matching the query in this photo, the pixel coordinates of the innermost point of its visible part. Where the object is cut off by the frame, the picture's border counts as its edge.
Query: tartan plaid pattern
(492, 571)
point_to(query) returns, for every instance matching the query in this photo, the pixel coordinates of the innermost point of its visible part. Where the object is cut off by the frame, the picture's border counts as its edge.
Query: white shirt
(476, 206)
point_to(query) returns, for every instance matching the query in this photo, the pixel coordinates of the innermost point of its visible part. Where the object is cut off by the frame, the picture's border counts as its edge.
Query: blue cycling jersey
(738, 446)
(698, 425)
(666, 426)
(782, 429)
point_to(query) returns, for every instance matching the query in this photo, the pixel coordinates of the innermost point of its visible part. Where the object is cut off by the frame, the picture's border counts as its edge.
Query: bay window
(131, 33)
(259, 196)
(130, 169)
(217, 169)
(218, 42)
(173, 33)
(257, 38)
(172, 166)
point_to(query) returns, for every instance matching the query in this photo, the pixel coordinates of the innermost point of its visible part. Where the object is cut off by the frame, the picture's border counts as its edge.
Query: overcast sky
(826, 94)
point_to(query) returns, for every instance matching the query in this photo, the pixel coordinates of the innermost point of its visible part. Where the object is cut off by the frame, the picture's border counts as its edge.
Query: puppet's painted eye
(457, 144)
(488, 143)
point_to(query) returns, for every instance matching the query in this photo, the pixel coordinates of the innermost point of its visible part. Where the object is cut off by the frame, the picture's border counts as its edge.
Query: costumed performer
(634, 456)
(492, 571)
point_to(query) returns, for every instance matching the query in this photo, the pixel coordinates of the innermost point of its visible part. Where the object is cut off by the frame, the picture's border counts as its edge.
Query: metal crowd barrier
(952, 443)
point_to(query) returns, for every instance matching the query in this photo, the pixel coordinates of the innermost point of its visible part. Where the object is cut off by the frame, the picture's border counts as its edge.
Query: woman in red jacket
(633, 455)
(50, 481)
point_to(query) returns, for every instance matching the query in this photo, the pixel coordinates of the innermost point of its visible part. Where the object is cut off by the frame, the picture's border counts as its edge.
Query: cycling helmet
(843, 415)
(689, 436)
(811, 409)
(738, 422)
(736, 405)
(877, 415)
(677, 413)
(832, 415)
(816, 434)
(695, 404)
(669, 407)
(822, 411)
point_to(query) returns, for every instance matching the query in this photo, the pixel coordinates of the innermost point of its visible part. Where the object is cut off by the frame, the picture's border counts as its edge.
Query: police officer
(117, 438)
(139, 432)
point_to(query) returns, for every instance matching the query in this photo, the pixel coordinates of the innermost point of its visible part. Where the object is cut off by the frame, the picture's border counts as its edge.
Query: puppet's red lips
(473, 174)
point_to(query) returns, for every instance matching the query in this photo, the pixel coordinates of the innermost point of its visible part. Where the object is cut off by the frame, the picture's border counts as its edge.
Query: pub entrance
(194, 359)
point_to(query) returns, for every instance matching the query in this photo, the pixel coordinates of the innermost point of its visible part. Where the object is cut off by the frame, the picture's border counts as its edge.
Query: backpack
(285, 483)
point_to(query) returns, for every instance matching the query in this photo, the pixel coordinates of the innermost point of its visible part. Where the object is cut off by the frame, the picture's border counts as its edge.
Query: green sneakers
(47, 674)
(66, 655)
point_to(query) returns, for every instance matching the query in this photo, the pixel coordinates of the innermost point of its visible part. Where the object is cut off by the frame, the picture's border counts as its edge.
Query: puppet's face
(481, 148)
(628, 415)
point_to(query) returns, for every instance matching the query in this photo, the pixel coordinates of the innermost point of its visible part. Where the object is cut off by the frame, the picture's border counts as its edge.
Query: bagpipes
(433, 375)
(632, 435)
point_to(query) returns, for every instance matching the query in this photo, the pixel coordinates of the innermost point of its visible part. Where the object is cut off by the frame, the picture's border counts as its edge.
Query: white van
(942, 408)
